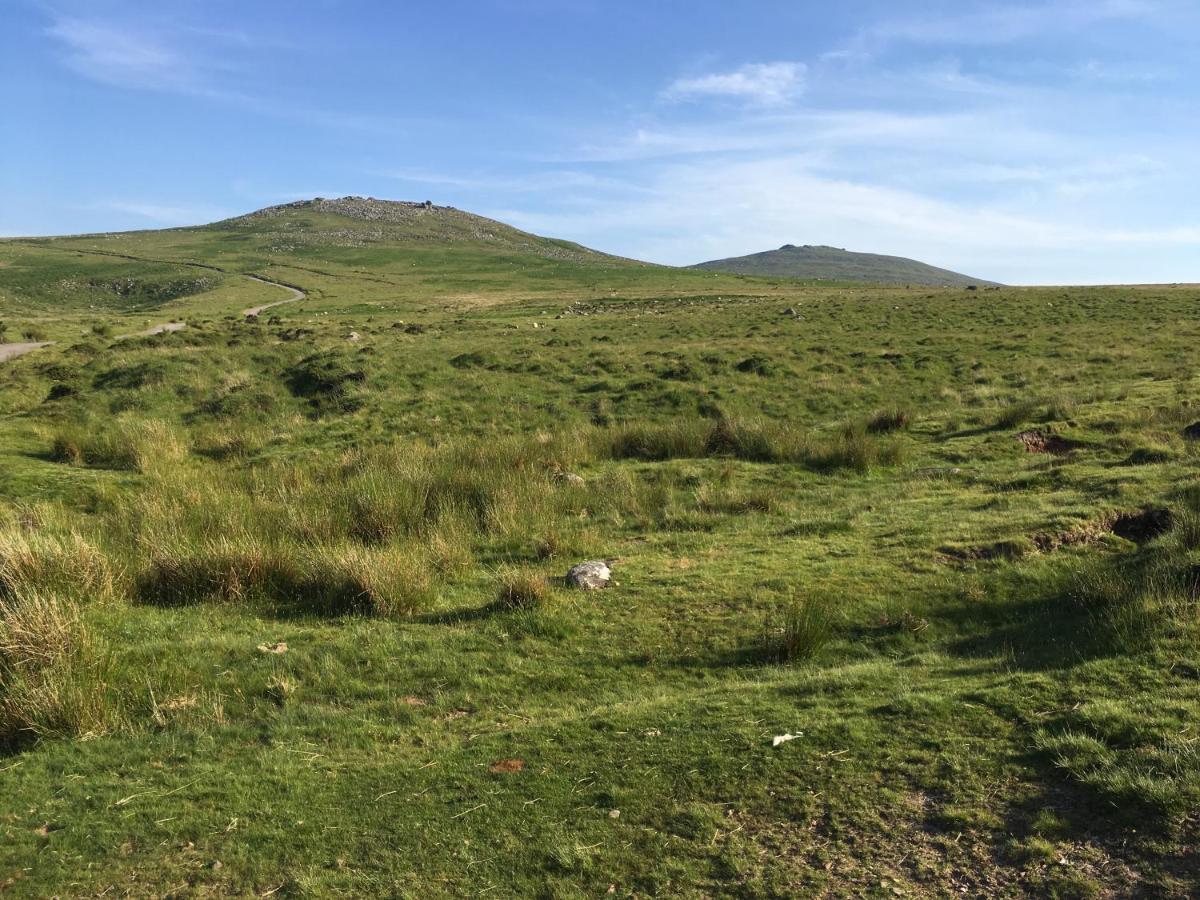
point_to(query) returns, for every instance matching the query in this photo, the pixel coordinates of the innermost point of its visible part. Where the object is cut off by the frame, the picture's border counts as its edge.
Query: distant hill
(366, 221)
(832, 264)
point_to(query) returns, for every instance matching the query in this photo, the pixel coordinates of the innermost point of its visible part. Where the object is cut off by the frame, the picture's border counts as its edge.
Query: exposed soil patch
(1088, 533)
(1036, 441)
(1142, 525)
(1139, 526)
(507, 766)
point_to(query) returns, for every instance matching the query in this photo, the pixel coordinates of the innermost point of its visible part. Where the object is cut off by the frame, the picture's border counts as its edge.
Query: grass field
(281, 601)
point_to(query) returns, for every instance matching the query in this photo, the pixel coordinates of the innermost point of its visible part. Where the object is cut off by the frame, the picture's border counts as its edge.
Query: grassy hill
(904, 598)
(816, 263)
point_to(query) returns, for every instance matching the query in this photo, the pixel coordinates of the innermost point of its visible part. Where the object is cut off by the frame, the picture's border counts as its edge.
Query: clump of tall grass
(885, 421)
(1016, 413)
(223, 443)
(135, 446)
(799, 631)
(345, 579)
(676, 440)
(750, 440)
(522, 589)
(51, 673)
(853, 448)
(67, 565)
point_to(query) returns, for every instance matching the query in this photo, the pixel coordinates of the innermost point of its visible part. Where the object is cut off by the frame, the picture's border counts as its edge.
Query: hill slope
(360, 221)
(376, 250)
(833, 264)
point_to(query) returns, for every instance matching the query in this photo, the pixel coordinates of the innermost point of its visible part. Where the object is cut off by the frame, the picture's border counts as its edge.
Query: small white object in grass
(784, 738)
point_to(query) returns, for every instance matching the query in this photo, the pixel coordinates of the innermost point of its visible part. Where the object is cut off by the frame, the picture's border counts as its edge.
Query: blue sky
(1055, 141)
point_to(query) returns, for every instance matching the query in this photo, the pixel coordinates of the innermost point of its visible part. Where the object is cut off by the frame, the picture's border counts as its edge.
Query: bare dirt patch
(1138, 525)
(507, 766)
(1036, 441)
(1142, 525)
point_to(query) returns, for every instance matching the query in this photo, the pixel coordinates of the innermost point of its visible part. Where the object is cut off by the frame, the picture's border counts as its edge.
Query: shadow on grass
(1055, 617)
(463, 615)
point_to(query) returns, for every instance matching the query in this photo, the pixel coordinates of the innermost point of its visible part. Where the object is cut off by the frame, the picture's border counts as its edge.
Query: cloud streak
(1001, 23)
(759, 84)
(119, 56)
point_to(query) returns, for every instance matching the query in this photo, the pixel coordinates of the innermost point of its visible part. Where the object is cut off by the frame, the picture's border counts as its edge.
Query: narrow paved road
(296, 294)
(153, 329)
(12, 351)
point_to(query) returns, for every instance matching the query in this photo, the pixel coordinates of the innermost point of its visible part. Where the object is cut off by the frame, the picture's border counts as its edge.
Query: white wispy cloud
(762, 84)
(211, 64)
(699, 209)
(998, 23)
(121, 56)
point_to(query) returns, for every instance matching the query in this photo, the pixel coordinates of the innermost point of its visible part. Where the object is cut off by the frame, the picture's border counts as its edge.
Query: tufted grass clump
(885, 421)
(124, 445)
(853, 448)
(52, 678)
(799, 631)
(343, 579)
(65, 564)
(523, 589)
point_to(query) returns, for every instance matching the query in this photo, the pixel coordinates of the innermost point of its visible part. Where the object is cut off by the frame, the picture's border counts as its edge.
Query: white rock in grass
(589, 576)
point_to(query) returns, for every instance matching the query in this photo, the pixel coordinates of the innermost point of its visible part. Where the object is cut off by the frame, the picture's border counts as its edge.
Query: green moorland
(281, 600)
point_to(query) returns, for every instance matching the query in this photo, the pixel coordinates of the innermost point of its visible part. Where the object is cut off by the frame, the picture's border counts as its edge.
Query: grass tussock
(125, 445)
(799, 631)
(66, 565)
(330, 580)
(885, 421)
(51, 673)
(853, 446)
(1016, 413)
(523, 589)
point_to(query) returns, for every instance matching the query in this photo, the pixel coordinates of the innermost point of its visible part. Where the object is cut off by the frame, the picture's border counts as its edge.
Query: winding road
(297, 294)
(12, 351)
